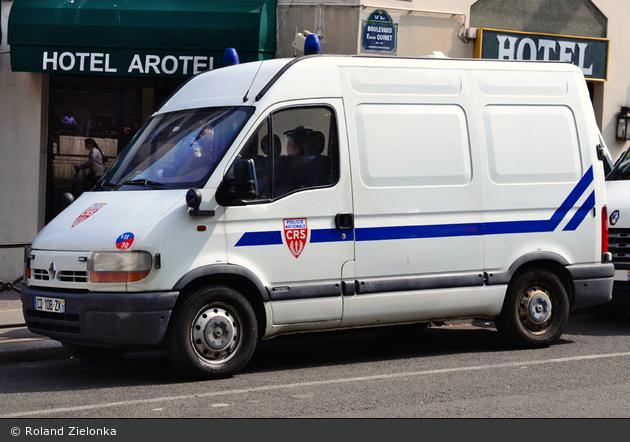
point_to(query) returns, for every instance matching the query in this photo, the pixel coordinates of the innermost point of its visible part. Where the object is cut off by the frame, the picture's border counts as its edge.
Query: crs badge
(295, 234)
(88, 213)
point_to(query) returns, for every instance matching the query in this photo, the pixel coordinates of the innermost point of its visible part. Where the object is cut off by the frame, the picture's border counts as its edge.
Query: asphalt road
(459, 370)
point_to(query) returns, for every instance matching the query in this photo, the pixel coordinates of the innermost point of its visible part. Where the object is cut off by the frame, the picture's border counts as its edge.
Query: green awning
(157, 38)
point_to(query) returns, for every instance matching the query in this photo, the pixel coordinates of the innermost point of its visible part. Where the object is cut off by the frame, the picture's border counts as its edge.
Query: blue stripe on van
(275, 237)
(330, 235)
(506, 227)
(579, 216)
(573, 197)
(408, 232)
(260, 239)
(446, 230)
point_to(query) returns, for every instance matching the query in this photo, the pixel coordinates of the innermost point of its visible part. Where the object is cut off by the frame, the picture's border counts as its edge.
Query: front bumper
(128, 320)
(592, 284)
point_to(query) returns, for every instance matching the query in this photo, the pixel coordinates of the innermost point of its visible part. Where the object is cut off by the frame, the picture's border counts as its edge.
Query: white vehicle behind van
(333, 192)
(618, 197)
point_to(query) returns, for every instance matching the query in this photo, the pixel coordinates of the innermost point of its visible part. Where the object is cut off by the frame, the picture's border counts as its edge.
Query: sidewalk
(11, 309)
(17, 343)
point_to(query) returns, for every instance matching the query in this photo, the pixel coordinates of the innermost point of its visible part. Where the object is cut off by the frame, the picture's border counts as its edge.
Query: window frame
(333, 134)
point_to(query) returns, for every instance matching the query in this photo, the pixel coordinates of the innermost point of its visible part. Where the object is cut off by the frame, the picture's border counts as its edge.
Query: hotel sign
(589, 54)
(112, 62)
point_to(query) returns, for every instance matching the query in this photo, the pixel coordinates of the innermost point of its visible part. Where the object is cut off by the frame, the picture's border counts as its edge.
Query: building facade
(112, 63)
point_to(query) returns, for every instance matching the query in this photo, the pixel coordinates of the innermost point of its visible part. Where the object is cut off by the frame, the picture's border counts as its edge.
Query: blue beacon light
(230, 57)
(312, 45)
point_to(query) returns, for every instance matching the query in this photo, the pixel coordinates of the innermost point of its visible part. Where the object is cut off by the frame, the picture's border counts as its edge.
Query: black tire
(94, 354)
(536, 309)
(227, 349)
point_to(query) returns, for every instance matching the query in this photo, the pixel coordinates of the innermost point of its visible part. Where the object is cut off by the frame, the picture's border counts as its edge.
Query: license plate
(54, 305)
(622, 275)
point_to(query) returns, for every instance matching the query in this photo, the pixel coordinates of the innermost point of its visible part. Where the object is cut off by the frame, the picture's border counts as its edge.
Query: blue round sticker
(125, 241)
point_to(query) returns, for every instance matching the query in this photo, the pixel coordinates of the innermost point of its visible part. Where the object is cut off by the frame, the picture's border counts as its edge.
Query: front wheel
(536, 309)
(213, 333)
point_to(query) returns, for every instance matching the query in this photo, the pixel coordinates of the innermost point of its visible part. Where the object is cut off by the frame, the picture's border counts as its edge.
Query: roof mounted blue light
(312, 45)
(230, 57)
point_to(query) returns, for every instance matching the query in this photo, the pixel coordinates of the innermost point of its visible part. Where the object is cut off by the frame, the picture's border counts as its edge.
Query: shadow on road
(583, 323)
(281, 353)
(294, 352)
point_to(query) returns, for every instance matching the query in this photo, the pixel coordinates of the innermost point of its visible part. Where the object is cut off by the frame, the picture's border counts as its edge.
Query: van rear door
(539, 176)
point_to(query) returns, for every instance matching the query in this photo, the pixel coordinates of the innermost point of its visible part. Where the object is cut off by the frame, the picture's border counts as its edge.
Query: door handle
(344, 221)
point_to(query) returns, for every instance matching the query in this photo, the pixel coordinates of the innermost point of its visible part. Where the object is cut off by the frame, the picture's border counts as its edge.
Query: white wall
(339, 24)
(336, 22)
(428, 25)
(22, 157)
(617, 88)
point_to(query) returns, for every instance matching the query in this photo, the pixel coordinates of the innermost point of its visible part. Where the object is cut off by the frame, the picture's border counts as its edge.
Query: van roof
(246, 84)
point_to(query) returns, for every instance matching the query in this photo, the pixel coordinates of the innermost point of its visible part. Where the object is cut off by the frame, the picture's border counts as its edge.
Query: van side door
(290, 234)
(417, 196)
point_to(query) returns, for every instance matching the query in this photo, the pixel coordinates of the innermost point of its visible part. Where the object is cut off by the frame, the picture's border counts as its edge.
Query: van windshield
(622, 168)
(176, 150)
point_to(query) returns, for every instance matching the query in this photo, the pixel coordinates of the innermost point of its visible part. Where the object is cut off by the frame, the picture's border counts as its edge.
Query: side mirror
(193, 200)
(239, 183)
(67, 199)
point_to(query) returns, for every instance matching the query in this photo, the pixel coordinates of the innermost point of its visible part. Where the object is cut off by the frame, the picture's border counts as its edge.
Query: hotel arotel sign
(158, 63)
(589, 54)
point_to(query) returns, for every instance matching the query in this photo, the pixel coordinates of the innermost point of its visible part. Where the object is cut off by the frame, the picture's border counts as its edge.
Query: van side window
(294, 149)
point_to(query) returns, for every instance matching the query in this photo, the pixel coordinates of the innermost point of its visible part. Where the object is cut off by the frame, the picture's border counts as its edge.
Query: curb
(12, 318)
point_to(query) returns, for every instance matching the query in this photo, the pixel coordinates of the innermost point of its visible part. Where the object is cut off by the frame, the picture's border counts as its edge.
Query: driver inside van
(295, 138)
(203, 146)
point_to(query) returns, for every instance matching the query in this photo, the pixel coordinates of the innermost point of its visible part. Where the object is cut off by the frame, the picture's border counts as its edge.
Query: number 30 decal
(124, 241)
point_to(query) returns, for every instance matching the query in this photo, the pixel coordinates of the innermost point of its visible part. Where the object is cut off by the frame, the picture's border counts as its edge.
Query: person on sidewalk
(95, 162)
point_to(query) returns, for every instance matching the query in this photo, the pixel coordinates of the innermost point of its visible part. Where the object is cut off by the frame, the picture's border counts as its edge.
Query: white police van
(333, 192)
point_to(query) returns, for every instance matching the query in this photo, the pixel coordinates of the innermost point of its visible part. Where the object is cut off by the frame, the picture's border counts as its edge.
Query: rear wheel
(536, 309)
(94, 354)
(213, 333)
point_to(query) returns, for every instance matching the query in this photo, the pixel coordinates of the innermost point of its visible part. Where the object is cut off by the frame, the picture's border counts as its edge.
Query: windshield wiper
(108, 185)
(145, 183)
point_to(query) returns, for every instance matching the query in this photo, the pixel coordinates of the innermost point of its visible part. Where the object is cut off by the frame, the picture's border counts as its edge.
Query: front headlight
(119, 266)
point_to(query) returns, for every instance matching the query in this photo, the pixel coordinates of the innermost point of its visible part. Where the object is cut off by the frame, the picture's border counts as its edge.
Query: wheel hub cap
(539, 307)
(215, 333)
(218, 333)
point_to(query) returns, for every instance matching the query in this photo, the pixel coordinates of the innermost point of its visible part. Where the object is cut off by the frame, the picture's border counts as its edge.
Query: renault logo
(52, 270)
(614, 217)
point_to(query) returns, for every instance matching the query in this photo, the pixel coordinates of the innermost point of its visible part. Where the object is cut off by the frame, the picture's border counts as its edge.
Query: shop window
(105, 112)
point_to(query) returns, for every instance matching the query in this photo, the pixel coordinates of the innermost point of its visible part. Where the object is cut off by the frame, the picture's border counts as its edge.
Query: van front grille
(40, 274)
(62, 276)
(72, 276)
